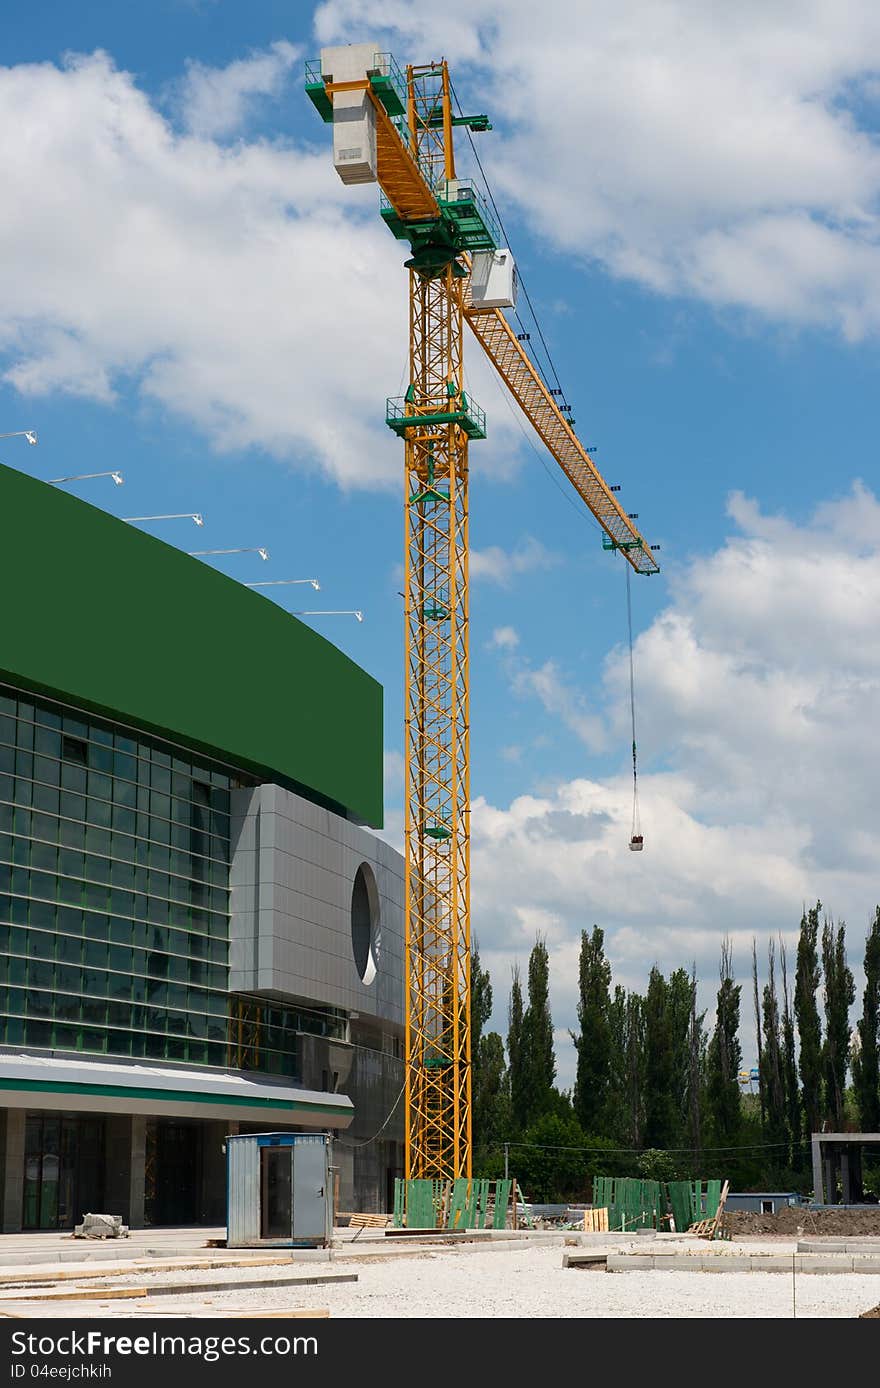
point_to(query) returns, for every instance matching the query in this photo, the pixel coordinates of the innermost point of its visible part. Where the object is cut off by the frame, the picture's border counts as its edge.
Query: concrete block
(768, 1262)
(863, 1263)
(813, 1263)
(630, 1262)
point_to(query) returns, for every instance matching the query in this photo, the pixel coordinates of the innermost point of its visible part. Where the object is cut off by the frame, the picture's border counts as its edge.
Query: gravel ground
(529, 1283)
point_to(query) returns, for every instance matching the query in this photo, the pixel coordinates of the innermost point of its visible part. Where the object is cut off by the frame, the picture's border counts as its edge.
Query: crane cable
(636, 825)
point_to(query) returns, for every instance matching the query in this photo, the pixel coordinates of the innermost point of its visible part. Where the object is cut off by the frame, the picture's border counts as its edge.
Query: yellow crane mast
(397, 130)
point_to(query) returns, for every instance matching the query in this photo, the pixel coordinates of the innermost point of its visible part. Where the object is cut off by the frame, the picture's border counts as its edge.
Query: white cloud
(501, 566)
(216, 101)
(757, 689)
(560, 699)
(238, 285)
(229, 284)
(548, 684)
(726, 152)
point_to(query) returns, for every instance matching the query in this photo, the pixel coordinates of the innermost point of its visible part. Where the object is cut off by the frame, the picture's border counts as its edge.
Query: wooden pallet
(368, 1221)
(712, 1228)
(596, 1221)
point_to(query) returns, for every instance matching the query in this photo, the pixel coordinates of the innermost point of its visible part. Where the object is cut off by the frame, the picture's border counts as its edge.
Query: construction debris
(101, 1226)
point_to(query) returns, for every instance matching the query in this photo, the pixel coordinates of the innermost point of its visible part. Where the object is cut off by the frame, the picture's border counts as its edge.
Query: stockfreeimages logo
(91, 1343)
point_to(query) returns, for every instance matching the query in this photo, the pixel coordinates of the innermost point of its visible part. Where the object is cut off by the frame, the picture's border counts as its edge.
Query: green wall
(96, 611)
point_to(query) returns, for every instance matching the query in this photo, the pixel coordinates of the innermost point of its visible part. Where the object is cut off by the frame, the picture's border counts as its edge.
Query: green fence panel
(399, 1201)
(502, 1197)
(713, 1197)
(680, 1200)
(481, 1202)
(458, 1204)
(421, 1210)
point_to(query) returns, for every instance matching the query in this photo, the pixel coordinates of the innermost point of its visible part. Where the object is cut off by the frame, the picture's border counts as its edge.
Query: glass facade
(114, 899)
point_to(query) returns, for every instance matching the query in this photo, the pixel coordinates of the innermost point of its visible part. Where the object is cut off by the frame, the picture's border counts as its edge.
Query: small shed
(762, 1201)
(278, 1190)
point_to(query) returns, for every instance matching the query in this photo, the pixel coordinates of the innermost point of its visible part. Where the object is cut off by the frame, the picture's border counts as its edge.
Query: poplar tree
(660, 1106)
(537, 1061)
(636, 1065)
(757, 1002)
(514, 1051)
(593, 1041)
(866, 1066)
(840, 994)
(771, 1068)
(725, 1057)
(680, 1001)
(490, 1104)
(806, 1011)
(789, 1067)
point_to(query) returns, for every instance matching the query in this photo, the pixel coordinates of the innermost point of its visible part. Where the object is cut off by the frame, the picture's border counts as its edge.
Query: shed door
(309, 1195)
(275, 1192)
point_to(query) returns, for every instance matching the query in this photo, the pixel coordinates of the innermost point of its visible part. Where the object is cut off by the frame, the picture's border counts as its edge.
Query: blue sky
(191, 296)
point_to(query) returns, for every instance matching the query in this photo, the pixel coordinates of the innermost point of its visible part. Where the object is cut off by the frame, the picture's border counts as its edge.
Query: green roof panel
(100, 614)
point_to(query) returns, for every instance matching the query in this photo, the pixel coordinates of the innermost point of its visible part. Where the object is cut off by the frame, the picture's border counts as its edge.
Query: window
(73, 749)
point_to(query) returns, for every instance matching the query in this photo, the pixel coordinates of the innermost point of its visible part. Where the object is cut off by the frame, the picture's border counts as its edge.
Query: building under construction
(198, 934)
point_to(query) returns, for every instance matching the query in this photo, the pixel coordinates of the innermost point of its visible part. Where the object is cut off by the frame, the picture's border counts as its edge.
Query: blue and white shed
(278, 1190)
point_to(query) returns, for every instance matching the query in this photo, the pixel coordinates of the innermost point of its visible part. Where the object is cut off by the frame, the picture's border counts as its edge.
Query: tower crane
(396, 129)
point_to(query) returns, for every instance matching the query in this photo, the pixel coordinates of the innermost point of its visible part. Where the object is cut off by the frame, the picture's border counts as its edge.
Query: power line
(665, 1151)
(366, 1142)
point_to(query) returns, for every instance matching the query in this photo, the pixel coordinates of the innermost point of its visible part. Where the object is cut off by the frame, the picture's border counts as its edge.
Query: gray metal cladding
(292, 877)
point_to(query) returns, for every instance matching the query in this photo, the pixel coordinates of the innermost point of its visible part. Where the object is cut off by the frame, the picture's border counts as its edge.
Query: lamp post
(247, 549)
(21, 434)
(85, 476)
(284, 583)
(177, 515)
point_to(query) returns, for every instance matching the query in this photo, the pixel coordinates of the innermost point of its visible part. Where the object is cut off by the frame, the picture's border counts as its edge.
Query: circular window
(365, 922)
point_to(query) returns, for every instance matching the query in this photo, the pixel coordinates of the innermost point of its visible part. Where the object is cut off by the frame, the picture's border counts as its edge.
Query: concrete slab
(865, 1246)
(593, 1259)
(176, 1288)
(629, 1262)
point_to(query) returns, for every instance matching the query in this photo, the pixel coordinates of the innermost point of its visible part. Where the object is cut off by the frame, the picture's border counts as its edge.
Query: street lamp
(333, 612)
(248, 549)
(84, 477)
(177, 515)
(284, 582)
(21, 434)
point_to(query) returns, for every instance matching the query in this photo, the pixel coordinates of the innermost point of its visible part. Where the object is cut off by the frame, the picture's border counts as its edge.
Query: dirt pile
(797, 1218)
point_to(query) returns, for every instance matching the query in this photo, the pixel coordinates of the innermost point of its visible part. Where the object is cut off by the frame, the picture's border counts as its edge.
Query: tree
(840, 994)
(491, 1103)
(660, 1088)
(636, 1065)
(554, 1161)
(481, 999)
(866, 1068)
(593, 1042)
(537, 1061)
(515, 1051)
(618, 1120)
(806, 1011)
(490, 1097)
(696, 1067)
(725, 1057)
(789, 1069)
(757, 1001)
(772, 1087)
(681, 1006)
